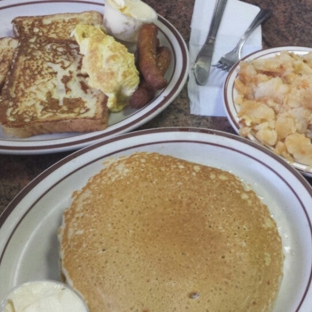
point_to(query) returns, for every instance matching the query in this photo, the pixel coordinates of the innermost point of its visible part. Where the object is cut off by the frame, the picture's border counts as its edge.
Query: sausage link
(147, 49)
(141, 96)
(163, 59)
(145, 92)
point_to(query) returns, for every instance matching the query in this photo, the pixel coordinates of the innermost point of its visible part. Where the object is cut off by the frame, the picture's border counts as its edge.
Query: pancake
(151, 232)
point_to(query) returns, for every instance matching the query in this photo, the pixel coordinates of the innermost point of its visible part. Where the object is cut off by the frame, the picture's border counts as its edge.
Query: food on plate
(151, 232)
(45, 90)
(63, 73)
(145, 92)
(147, 51)
(7, 49)
(45, 295)
(124, 18)
(274, 100)
(57, 26)
(109, 65)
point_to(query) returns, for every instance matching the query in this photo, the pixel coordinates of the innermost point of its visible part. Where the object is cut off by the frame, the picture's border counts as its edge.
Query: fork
(229, 59)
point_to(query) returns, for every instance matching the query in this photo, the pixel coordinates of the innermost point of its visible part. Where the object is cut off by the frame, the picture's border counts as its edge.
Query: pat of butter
(124, 18)
(39, 296)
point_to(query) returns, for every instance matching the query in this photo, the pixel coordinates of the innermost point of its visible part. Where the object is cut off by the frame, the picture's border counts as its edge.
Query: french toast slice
(8, 46)
(57, 26)
(45, 91)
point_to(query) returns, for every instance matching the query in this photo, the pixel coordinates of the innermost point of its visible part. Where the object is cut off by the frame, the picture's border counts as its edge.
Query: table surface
(288, 25)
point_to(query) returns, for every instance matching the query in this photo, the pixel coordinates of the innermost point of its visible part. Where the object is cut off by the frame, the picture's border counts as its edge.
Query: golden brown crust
(46, 92)
(57, 26)
(8, 47)
(60, 126)
(155, 233)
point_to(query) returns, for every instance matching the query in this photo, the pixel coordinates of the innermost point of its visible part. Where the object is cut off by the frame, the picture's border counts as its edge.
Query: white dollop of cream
(124, 18)
(43, 296)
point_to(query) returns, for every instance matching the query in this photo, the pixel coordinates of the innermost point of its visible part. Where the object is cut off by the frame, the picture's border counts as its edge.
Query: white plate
(124, 121)
(230, 93)
(28, 227)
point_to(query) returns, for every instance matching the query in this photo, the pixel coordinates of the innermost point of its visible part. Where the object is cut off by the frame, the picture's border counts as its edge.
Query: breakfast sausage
(145, 92)
(142, 95)
(147, 50)
(163, 59)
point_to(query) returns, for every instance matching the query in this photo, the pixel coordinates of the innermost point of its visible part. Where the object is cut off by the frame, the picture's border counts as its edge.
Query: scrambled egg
(111, 68)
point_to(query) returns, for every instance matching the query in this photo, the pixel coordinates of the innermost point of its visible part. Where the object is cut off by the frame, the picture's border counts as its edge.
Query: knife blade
(204, 57)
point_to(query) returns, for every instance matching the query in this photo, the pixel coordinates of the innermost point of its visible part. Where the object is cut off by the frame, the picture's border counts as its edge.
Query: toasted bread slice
(8, 46)
(47, 93)
(57, 26)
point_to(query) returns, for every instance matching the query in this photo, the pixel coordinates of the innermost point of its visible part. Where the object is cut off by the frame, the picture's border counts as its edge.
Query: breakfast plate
(29, 225)
(230, 93)
(121, 122)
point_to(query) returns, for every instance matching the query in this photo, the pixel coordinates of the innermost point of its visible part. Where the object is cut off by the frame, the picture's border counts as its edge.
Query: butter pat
(124, 18)
(43, 296)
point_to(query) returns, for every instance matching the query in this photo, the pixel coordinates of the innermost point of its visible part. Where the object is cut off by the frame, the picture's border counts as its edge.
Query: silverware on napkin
(229, 59)
(204, 57)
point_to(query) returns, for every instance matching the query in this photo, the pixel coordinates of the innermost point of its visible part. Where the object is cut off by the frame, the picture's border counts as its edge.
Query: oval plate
(28, 227)
(122, 122)
(229, 94)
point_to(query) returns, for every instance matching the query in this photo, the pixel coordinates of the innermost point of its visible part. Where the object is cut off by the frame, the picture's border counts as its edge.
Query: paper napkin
(207, 100)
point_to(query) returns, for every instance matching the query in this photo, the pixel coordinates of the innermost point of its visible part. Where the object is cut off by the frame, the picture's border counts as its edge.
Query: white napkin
(207, 100)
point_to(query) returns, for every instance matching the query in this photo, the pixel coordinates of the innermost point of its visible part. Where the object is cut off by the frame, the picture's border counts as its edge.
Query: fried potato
(275, 103)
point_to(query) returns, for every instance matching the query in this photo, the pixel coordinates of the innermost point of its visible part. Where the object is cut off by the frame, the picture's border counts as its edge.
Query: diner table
(289, 25)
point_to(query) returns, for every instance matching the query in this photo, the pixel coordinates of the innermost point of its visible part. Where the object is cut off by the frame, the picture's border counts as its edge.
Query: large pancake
(156, 233)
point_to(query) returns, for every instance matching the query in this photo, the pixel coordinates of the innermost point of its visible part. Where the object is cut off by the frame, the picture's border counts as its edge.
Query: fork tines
(223, 65)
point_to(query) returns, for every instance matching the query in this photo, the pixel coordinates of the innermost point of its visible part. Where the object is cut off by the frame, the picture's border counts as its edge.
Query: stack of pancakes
(155, 233)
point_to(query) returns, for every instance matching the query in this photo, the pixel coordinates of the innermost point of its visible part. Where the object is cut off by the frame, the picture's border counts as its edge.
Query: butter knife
(204, 57)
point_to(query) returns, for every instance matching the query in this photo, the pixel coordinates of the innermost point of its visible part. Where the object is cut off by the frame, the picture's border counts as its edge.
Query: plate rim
(72, 156)
(165, 97)
(231, 108)
(44, 175)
